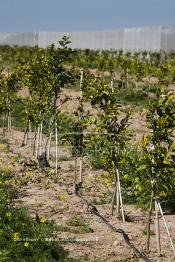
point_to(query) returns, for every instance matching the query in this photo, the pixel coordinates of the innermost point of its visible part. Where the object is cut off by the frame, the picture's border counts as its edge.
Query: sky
(83, 15)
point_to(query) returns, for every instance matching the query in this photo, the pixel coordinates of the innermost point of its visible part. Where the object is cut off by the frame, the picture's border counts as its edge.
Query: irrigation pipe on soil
(95, 212)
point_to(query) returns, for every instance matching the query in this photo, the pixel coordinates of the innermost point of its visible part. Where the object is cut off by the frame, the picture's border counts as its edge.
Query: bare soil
(52, 197)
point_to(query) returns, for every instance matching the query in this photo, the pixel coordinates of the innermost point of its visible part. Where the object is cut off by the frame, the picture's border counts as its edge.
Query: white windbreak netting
(129, 39)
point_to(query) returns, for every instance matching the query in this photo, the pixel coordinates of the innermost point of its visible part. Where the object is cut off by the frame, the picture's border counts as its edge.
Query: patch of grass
(15, 158)
(75, 86)
(101, 201)
(128, 218)
(76, 221)
(3, 148)
(56, 209)
(62, 228)
(133, 96)
(65, 158)
(89, 259)
(93, 152)
(17, 114)
(76, 225)
(82, 229)
(75, 230)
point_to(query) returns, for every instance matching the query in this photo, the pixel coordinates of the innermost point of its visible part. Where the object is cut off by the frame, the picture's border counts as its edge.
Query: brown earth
(52, 197)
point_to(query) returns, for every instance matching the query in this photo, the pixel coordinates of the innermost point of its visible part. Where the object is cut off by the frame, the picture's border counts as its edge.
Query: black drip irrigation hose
(95, 212)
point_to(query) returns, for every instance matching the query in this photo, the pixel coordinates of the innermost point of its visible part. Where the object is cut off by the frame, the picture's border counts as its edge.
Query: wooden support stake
(37, 141)
(157, 228)
(3, 129)
(40, 138)
(81, 83)
(149, 223)
(30, 136)
(81, 156)
(112, 84)
(56, 149)
(120, 195)
(166, 226)
(49, 146)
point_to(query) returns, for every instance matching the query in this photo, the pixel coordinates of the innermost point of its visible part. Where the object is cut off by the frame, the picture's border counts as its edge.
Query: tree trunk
(114, 198)
(75, 175)
(25, 134)
(34, 142)
(3, 127)
(81, 169)
(49, 145)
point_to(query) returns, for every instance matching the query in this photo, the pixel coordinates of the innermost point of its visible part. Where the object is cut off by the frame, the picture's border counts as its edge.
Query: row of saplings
(148, 170)
(151, 179)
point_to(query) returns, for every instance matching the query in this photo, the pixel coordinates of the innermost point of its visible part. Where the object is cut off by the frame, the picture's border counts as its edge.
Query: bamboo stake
(10, 122)
(75, 171)
(8, 131)
(8, 125)
(75, 175)
(114, 199)
(49, 146)
(166, 226)
(3, 130)
(9, 128)
(25, 137)
(157, 228)
(149, 223)
(117, 198)
(120, 195)
(40, 138)
(34, 142)
(30, 136)
(81, 82)
(56, 148)
(37, 141)
(81, 156)
(127, 85)
(112, 83)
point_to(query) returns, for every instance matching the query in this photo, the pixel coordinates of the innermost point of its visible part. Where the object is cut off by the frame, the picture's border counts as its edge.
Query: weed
(144, 231)
(21, 237)
(76, 221)
(3, 148)
(64, 158)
